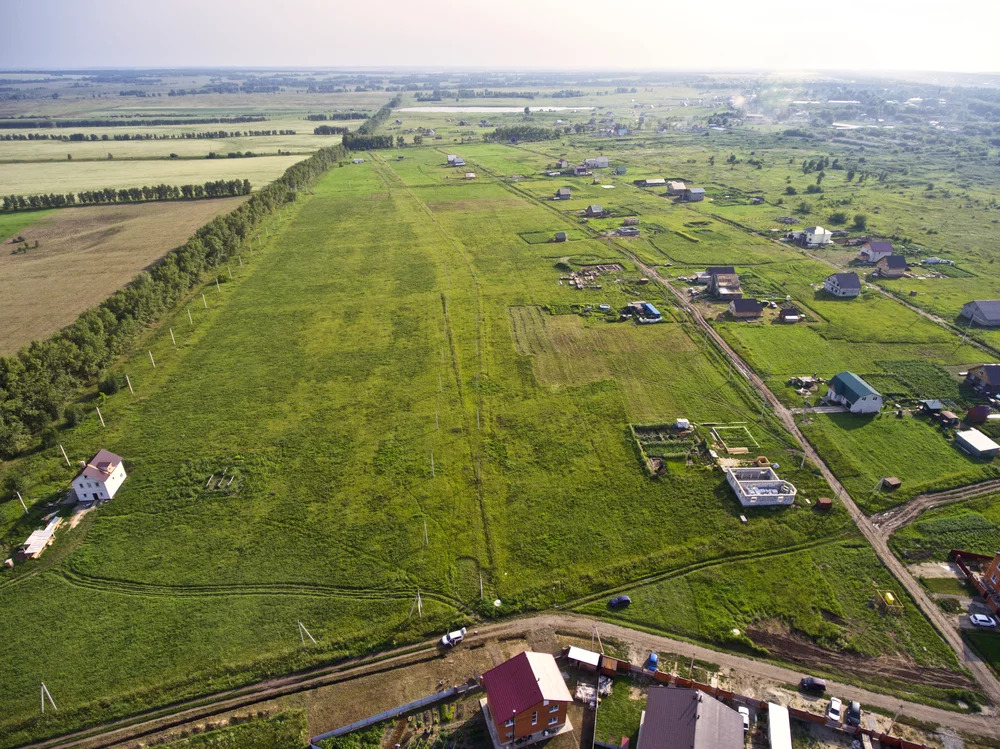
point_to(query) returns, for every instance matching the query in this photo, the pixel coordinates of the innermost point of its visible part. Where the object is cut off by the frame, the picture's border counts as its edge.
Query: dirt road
(891, 520)
(576, 625)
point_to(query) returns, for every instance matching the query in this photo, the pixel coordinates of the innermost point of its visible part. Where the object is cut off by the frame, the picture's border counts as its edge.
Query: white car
(981, 620)
(453, 638)
(835, 713)
(744, 712)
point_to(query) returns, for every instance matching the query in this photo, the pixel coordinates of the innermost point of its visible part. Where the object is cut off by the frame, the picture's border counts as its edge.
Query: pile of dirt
(796, 649)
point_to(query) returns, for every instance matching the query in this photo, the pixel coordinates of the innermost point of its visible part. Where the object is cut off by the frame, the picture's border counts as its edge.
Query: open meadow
(83, 255)
(401, 385)
(404, 393)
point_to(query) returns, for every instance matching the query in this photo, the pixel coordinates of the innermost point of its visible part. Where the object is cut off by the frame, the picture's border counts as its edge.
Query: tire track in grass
(390, 177)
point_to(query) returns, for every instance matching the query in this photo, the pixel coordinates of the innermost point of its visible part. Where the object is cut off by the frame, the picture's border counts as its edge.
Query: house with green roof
(849, 390)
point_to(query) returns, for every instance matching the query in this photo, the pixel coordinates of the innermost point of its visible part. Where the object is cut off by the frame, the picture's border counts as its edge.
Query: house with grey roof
(594, 210)
(983, 312)
(563, 193)
(849, 390)
(985, 378)
(694, 194)
(843, 284)
(891, 266)
(689, 718)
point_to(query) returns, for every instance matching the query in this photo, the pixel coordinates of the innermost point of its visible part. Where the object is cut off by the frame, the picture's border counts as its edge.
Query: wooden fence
(960, 557)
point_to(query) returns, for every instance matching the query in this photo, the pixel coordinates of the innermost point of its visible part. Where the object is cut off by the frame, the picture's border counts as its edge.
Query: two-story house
(526, 699)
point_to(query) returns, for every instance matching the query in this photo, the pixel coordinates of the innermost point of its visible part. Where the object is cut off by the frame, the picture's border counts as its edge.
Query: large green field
(368, 373)
(405, 395)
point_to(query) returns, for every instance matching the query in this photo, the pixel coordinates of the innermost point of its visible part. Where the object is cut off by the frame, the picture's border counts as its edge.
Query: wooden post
(204, 301)
(129, 383)
(190, 321)
(217, 287)
(22, 502)
(99, 415)
(426, 541)
(230, 272)
(432, 465)
(64, 456)
(151, 358)
(172, 339)
(240, 259)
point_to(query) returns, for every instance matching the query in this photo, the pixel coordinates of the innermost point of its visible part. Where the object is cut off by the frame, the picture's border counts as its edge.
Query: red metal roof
(523, 682)
(101, 466)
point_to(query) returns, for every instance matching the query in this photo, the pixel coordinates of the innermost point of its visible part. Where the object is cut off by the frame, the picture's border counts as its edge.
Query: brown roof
(523, 682)
(101, 466)
(689, 719)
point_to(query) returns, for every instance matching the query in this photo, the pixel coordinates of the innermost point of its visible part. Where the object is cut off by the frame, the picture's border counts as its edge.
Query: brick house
(992, 575)
(526, 699)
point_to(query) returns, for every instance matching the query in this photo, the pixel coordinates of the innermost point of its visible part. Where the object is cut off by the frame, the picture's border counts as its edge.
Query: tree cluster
(84, 137)
(337, 116)
(222, 188)
(329, 130)
(36, 382)
(17, 123)
(521, 132)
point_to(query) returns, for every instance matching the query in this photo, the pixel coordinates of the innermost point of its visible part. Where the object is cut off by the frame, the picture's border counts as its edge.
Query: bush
(860, 221)
(838, 218)
(110, 384)
(16, 483)
(791, 191)
(50, 437)
(73, 414)
(812, 189)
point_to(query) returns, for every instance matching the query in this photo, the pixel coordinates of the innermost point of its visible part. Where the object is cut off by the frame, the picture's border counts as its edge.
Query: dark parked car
(618, 601)
(854, 713)
(812, 684)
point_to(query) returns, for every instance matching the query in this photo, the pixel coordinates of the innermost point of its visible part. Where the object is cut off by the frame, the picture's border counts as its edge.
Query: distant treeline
(365, 139)
(337, 116)
(221, 188)
(82, 137)
(329, 130)
(521, 132)
(37, 382)
(26, 123)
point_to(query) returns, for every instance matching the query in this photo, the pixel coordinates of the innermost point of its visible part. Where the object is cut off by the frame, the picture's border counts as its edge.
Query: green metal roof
(852, 387)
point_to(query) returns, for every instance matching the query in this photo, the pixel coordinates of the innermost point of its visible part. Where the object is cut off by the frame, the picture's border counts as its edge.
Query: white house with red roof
(100, 478)
(526, 700)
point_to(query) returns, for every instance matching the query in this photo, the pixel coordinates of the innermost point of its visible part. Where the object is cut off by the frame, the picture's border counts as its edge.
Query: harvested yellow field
(85, 254)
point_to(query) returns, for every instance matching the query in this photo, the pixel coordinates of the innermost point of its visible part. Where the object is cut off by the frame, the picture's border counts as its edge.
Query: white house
(100, 478)
(982, 312)
(599, 162)
(676, 187)
(814, 236)
(760, 487)
(847, 389)
(872, 252)
(843, 284)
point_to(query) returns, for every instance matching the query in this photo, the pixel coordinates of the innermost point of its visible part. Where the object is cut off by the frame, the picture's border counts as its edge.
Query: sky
(728, 35)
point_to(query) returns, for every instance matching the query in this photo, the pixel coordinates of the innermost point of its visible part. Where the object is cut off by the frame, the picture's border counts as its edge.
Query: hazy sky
(589, 34)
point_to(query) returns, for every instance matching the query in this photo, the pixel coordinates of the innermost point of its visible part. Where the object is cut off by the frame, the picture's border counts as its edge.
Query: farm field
(861, 450)
(972, 525)
(83, 255)
(65, 176)
(330, 439)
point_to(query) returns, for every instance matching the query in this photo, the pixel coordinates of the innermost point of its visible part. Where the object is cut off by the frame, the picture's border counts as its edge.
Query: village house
(985, 378)
(631, 221)
(745, 309)
(983, 312)
(694, 194)
(581, 171)
(849, 390)
(654, 182)
(872, 252)
(814, 236)
(451, 159)
(843, 284)
(526, 700)
(676, 187)
(891, 266)
(594, 210)
(976, 444)
(724, 285)
(100, 478)
(459, 161)
(759, 486)
(680, 717)
(598, 162)
(789, 314)
(562, 164)
(992, 575)
(563, 193)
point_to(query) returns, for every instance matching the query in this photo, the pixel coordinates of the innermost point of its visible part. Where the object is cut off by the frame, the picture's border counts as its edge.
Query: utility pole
(22, 502)
(64, 456)
(45, 693)
(129, 383)
(99, 415)
(151, 359)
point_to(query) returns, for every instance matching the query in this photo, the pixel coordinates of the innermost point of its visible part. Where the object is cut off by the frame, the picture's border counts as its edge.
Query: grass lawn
(972, 525)
(619, 713)
(987, 644)
(860, 450)
(280, 731)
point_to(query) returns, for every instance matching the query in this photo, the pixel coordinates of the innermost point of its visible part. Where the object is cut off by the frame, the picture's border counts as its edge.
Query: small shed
(563, 193)
(891, 483)
(595, 210)
(682, 424)
(824, 503)
(933, 406)
(585, 660)
(976, 444)
(948, 418)
(559, 237)
(978, 414)
(470, 175)
(789, 314)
